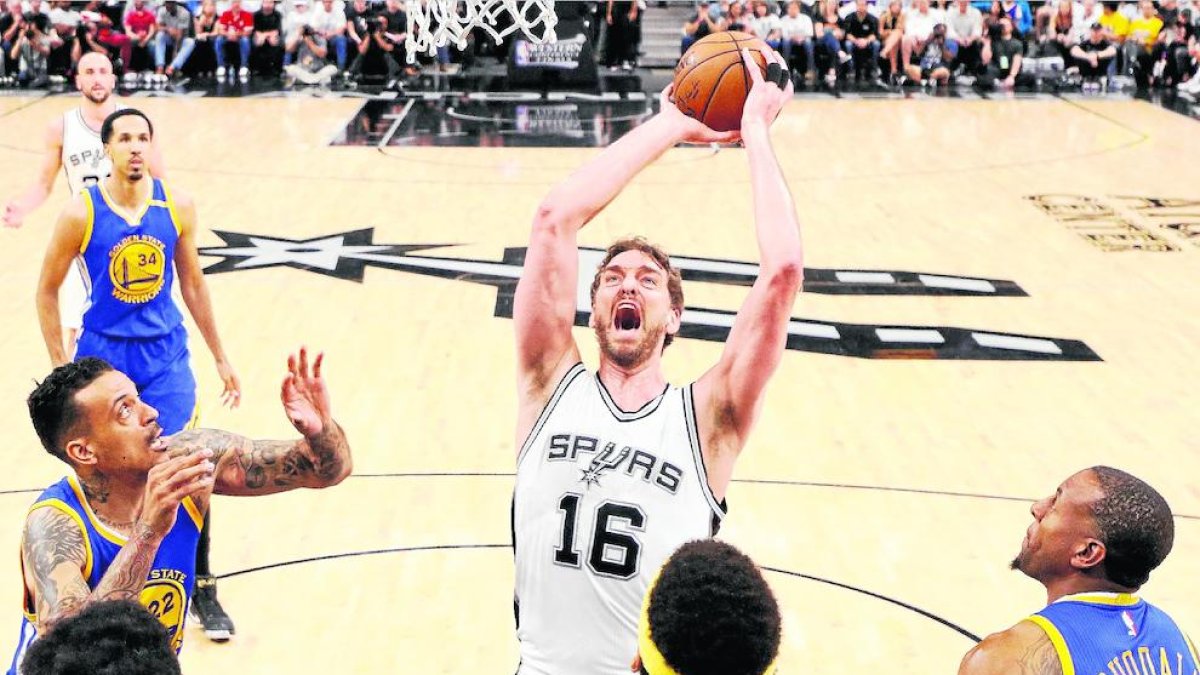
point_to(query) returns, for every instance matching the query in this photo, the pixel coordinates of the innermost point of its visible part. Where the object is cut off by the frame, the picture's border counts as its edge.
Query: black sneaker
(206, 609)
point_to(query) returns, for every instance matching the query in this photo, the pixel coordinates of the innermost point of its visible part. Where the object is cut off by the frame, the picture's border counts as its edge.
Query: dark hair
(1135, 525)
(52, 405)
(106, 129)
(674, 280)
(712, 613)
(105, 638)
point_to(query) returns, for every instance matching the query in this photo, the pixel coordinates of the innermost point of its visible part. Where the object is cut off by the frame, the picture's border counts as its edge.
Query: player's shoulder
(1024, 648)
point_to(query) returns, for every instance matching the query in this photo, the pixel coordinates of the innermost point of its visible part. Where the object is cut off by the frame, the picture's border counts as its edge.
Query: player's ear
(674, 320)
(1089, 554)
(79, 451)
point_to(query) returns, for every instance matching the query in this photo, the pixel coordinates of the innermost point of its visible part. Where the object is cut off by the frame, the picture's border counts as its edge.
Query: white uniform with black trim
(603, 497)
(85, 162)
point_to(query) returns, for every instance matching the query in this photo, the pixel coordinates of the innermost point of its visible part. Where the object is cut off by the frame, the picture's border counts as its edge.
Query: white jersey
(83, 156)
(603, 497)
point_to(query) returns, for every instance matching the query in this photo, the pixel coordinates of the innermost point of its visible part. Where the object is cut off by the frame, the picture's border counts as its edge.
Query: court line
(452, 547)
(899, 603)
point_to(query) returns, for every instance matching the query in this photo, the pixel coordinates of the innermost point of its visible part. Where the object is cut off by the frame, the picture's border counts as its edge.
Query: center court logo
(346, 256)
(136, 267)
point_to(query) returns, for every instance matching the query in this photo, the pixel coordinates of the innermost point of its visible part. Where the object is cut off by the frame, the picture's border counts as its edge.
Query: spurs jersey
(603, 497)
(85, 163)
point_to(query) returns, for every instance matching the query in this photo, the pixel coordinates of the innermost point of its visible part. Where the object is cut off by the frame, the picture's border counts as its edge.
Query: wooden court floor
(872, 488)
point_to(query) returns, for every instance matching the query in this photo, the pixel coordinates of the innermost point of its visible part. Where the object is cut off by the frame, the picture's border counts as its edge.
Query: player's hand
(232, 394)
(168, 483)
(14, 215)
(690, 130)
(768, 94)
(305, 396)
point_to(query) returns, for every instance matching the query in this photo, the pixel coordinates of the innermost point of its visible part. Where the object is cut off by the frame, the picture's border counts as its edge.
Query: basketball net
(438, 23)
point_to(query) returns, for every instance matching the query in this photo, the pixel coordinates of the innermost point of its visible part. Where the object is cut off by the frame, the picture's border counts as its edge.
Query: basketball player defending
(617, 469)
(127, 230)
(72, 143)
(1093, 544)
(125, 522)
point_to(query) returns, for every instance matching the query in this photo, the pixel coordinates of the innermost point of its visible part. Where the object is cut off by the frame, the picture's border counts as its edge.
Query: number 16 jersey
(603, 497)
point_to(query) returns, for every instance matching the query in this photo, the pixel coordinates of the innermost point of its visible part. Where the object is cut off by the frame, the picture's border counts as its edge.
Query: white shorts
(73, 297)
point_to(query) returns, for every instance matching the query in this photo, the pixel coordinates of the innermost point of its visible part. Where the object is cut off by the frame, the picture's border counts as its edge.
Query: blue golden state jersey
(127, 259)
(168, 587)
(1116, 634)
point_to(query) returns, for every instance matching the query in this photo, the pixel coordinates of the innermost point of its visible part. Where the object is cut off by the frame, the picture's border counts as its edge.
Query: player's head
(709, 612)
(89, 415)
(860, 6)
(94, 77)
(760, 8)
(637, 302)
(1097, 33)
(114, 636)
(127, 135)
(793, 9)
(1102, 524)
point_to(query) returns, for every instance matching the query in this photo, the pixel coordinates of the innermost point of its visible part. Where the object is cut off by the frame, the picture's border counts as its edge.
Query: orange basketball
(711, 81)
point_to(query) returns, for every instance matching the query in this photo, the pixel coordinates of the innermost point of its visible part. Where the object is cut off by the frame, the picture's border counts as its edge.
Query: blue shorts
(159, 366)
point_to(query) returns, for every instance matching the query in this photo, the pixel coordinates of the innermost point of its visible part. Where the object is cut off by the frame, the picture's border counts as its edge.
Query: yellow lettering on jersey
(165, 598)
(137, 267)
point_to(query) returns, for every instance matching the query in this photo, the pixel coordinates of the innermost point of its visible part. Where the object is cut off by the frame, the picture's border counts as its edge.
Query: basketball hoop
(438, 23)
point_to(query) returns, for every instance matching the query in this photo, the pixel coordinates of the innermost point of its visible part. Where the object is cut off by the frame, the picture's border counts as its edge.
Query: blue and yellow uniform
(1116, 634)
(130, 319)
(168, 585)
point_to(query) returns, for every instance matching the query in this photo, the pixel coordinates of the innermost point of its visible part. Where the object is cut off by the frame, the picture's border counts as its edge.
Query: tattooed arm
(246, 467)
(53, 555)
(1024, 649)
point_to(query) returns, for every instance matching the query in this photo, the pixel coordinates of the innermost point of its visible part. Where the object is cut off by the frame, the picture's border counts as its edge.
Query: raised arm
(544, 306)
(65, 244)
(320, 458)
(196, 297)
(729, 395)
(1024, 649)
(37, 192)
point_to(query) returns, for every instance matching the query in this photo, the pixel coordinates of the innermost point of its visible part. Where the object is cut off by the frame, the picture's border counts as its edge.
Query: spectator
(699, 27)
(31, 49)
(1002, 52)
(65, 22)
(935, 58)
(1094, 56)
(267, 52)
(329, 23)
(396, 32)
(11, 25)
(620, 48)
(1168, 11)
(1021, 15)
(293, 24)
(175, 34)
(797, 30)
(862, 42)
(206, 28)
(919, 21)
(374, 58)
(891, 32)
(736, 19)
(111, 636)
(235, 25)
(114, 41)
(766, 26)
(358, 18)
(829, 36)
(1087, 13)
(1172, 60)
(964, 37)
(1139, 46)
(140, 26)
(1191, 85)
(311, 66)
(1116, 29)
(1058, 34)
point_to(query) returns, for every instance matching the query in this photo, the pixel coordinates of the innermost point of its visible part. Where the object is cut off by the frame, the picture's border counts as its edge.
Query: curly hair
(660, 257)
(712, 613)
(1135, 524)
(52, 405)
(114, 637)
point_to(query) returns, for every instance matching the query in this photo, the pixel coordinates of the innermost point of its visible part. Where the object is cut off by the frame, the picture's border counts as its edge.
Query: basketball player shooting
(617, 469)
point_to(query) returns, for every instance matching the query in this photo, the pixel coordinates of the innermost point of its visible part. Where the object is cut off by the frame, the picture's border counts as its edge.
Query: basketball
(711, 82)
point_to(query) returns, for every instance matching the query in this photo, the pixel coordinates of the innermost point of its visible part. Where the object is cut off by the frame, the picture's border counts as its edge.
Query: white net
(441, 23)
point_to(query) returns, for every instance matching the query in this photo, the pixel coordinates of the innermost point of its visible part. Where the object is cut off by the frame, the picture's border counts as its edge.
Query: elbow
(553, 219)
(788, 273)
(342, 472)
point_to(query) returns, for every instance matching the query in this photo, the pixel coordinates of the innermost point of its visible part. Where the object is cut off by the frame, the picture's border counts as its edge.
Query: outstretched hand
(304, 395)
(691, 130)
(768, 94)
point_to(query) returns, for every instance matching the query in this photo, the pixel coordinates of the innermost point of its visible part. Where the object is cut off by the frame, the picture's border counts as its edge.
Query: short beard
(135, 177)
(634, 356)
(91, 97)
(1016, 563)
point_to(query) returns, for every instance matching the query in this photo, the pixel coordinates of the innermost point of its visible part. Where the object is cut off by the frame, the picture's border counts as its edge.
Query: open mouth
(627, 316)
(157, 442)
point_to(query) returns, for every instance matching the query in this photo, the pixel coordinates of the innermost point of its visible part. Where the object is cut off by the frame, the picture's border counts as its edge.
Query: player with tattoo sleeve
(125, 525)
